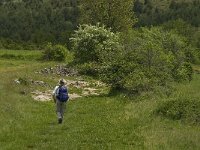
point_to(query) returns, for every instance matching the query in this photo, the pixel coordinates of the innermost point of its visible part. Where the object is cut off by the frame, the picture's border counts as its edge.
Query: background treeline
(34, 22)
(180, 16)
(154, 12)
(29, 24)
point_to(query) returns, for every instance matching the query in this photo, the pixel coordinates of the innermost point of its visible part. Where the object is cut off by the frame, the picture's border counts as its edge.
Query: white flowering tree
(95, 44)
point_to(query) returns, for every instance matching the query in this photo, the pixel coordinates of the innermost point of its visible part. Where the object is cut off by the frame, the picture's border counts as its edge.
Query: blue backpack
(62, 94)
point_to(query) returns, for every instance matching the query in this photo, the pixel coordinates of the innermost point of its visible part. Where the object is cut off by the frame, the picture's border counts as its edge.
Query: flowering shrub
(94, 44)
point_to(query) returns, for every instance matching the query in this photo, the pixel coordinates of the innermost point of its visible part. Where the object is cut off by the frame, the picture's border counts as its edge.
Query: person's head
(62, 82)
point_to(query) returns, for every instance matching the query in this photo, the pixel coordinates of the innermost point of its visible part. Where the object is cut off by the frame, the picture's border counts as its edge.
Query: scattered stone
(40, 83)
(77, 84)
(99, 84)
(42, 96)
(47, 95)
(17, 81)
(60, 70)
(90, 91)
(74, 96)
(32, 82)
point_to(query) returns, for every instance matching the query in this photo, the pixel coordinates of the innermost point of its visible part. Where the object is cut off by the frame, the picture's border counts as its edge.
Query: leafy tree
(94, 43)
(115, 14)
(150, 58)
(158, 12)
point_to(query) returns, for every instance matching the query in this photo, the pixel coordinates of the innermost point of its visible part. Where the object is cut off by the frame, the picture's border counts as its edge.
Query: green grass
(98, 122)
(21, 54)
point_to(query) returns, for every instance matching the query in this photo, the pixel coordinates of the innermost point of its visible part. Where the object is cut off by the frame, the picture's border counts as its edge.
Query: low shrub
(186, 110)
(150, 58)
(55, 52)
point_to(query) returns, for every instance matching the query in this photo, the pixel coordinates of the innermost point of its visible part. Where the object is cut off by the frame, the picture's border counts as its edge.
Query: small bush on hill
(180, 109)
(55, 52)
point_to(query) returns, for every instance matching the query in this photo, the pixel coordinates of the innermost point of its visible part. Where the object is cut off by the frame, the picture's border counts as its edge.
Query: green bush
(55, 52)
(185, 72)
(190, 33)
(138, 61)
(181, 109)
(94, 43)
(150, 58)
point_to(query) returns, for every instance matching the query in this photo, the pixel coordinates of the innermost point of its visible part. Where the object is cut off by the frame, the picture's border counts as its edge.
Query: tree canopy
(115, 14)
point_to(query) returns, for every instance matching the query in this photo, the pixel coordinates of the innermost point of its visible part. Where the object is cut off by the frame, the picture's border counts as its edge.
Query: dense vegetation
(154, 12)
(36, 21)
(146, 58)
(29, 24)
(146, 52)
(117, 14)
(135, 60)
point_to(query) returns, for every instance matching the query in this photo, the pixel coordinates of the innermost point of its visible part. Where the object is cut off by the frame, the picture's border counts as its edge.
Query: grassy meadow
(93, 122)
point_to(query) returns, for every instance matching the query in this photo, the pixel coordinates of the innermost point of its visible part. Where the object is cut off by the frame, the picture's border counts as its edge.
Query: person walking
(60, 97)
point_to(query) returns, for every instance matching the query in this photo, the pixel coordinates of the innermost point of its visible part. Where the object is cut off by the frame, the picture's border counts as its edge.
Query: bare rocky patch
(85, 86)
(42, 96)
(47, 95)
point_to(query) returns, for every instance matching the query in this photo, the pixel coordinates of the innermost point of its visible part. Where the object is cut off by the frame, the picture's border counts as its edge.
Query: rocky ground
(87, 88)
(60, 70)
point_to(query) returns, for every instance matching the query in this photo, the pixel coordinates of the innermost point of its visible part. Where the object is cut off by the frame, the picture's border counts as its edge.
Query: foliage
(139, 61)
(117, 14)
(38, 21)
(190, 33)
(55, 52)
(90, 68)
(151, 57)
(92, 44)
(156, 12)
(181, 27)
(180, 109)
